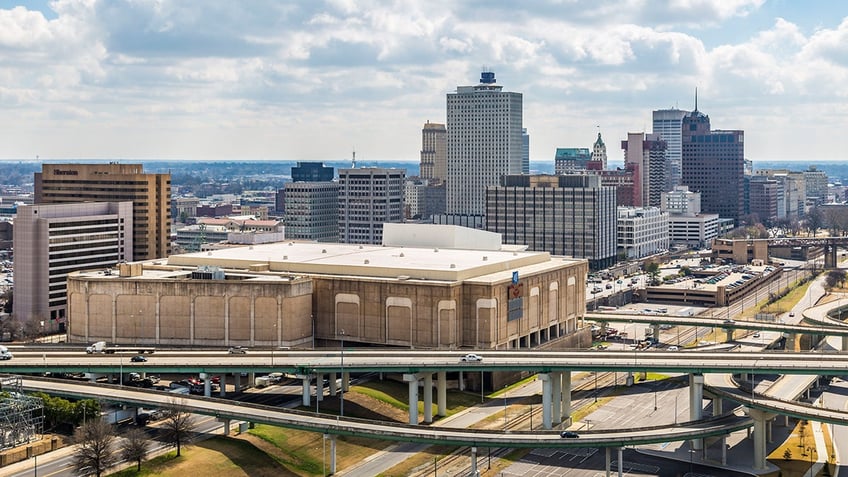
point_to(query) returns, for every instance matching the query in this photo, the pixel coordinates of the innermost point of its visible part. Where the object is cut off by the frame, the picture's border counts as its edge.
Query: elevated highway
(336, 425)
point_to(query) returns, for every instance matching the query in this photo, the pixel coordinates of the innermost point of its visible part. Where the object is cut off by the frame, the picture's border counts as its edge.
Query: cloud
(206, 66)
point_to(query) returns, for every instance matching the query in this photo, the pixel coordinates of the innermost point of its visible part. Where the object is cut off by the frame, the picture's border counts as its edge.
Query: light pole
(810, 451)
(596, 386)
(341, 399)
(506, 419)
(121, 375)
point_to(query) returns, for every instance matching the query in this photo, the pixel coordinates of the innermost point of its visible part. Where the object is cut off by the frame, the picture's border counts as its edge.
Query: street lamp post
(341, 399)
(506, 419)
(596, 386)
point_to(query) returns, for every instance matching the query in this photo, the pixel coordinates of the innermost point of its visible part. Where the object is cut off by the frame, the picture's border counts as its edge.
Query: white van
(5, 353)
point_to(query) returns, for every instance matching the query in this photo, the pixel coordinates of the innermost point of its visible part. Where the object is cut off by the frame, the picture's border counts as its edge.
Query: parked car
(138, 359)
(237, 350)
(471, 357)
(569, 435)
(791, 314)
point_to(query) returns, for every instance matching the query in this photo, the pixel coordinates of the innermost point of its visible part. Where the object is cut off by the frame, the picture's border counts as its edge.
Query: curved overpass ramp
(328, 424)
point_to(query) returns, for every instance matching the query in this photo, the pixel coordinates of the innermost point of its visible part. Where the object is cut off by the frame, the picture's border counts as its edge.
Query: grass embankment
(275, 451)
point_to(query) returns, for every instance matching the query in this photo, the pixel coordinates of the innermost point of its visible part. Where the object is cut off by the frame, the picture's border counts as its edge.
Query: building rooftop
(376, 261)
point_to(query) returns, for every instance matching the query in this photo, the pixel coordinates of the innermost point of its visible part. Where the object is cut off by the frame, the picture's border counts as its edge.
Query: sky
(316, 80)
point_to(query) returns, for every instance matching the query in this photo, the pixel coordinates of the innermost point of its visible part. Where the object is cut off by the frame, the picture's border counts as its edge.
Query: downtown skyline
(291, 81)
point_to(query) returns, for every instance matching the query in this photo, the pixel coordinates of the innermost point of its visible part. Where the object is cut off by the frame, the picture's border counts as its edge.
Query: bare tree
(95, 448)
(814, 220)
(179, 426)
(135, 446)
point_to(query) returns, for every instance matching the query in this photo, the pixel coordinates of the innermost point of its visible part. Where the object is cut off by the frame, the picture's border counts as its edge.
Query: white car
(471, 357)
(673, 348)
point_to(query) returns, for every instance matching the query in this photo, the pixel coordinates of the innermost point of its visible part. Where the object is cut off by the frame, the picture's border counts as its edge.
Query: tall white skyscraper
(484, 125)
(668, 123)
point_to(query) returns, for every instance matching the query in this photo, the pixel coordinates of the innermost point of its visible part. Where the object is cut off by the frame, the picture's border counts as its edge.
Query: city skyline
(223, 81)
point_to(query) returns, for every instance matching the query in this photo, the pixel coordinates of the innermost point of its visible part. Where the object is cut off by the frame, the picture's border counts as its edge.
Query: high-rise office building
(113, 182)
(368, 198)
(434, 152)
(648, 153)
(668, 123)
(815, 184)
(765, 199)
(569, 215)
(713, 164)
(52, 241)
(484, 142)
(312, 211)
(569, 160)
(311, 172)
(525, 151)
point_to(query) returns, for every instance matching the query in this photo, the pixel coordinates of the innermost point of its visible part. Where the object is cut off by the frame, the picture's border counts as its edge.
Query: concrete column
(442, 393)
(845, 343)
(556, 389)
(412, 379)
(474, 461)
(696, 404)
(237, 377)
(319, 387)
(769, 430)
(546, 399)
(304, 380)
(790, 342)
(332, 454)
(759, 435)
(621, 462)
(207, 384)
(607, 464)
(428, 398)
(461, 381)
(226, 426)
(333, 384)
(222, 392)
(655, 330)
(346, 381)
(251, 379)
(566, 397)
(728, 335)
(723, 450)
(718, 407)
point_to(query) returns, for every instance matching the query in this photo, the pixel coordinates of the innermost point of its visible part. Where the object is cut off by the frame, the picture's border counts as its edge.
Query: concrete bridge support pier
(319, 387)
(332, 454)
(222, 391)
(412, 380)
(334, 388)
(547, 398)
(696, 404)
(556, 388)
(428, 398)
(761, 419)
(474, 462)
(728, 336)
(655, 332)
(304, 380)
(790, 342)
(207, 384)
(566, 397)
(442, 394)
(845, 343)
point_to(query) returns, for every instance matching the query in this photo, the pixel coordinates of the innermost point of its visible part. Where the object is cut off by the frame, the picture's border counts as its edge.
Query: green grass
(395, 394)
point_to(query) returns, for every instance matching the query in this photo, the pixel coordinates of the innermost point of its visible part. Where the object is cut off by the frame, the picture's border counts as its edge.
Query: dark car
(569, 435)
(138, 359)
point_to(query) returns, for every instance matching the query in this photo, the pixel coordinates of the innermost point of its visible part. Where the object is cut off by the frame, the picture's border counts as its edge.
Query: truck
(102, 347)
(5, 353)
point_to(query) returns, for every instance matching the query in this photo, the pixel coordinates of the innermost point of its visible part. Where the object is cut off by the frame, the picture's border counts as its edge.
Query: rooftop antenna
(696, 98)
(354, 159)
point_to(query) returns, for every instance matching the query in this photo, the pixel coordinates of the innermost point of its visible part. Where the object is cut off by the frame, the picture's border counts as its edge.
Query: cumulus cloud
(203, 66)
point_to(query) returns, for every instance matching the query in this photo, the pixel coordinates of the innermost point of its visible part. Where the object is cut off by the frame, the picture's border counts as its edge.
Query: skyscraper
(113, 182)
(368, 198)
(525, 151)
(647, 152)
(713, 164)
(484, 142)
(434, 161)
(668, 123)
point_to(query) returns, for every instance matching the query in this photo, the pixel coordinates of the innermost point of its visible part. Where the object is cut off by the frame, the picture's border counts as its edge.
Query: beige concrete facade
(382, 296)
